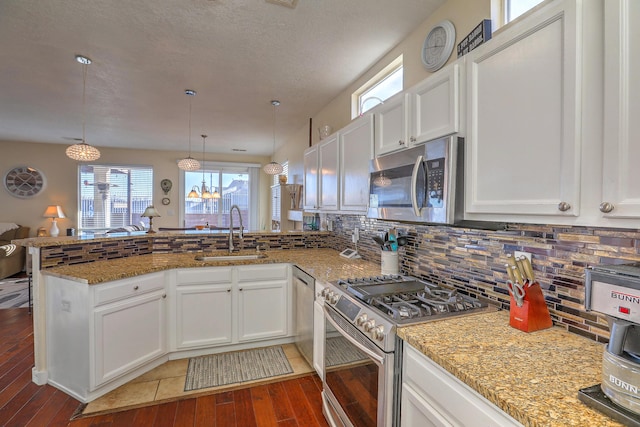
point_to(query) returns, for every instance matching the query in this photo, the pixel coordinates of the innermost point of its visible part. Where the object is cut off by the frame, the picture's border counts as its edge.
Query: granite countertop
(534, 377)
(323, 264)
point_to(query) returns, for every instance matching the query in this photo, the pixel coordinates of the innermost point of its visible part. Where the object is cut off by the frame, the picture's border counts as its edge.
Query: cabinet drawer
(257, 273)
(204, 275)
(128, 288)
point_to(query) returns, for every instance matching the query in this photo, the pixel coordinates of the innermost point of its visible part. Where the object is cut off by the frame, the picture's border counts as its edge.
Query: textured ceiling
(237, 54)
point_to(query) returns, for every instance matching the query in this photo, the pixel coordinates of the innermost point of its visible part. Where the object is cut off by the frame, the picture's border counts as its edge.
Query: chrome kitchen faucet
(241, 234)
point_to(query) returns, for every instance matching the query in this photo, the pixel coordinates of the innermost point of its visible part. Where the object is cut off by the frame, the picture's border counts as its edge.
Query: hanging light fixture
(82, 151)
(273, 168)
(189, 163)
(204, 190)
(215, 194)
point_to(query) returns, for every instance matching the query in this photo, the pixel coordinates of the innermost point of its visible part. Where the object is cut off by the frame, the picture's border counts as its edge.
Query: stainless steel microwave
(420, 184)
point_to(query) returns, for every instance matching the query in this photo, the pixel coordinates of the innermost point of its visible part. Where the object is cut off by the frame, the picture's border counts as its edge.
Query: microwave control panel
(435, 182)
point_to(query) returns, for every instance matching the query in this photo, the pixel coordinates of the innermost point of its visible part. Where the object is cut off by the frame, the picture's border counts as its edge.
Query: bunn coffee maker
(614, 290)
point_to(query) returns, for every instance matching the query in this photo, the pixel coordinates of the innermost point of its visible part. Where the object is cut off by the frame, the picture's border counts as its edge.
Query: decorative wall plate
(24, 182)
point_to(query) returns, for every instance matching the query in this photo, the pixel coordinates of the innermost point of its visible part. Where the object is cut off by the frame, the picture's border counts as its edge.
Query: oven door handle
(417, 210)
(365, 350)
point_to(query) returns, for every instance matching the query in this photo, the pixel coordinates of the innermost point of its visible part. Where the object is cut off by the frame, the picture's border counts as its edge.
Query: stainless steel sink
(231, 257)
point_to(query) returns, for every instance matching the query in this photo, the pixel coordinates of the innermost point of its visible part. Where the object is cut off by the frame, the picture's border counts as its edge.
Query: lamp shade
(83, 152)
(150, 212)
(273, 168)
(54, 211)
(189, 164)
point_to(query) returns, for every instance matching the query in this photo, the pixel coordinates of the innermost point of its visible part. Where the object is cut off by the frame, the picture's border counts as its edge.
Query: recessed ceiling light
(287, 3)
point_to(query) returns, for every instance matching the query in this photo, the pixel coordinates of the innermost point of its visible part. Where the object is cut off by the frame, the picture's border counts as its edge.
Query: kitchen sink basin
(230, 257)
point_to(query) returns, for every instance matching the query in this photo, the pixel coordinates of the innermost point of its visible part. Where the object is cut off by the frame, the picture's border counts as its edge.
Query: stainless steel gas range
(362, 354)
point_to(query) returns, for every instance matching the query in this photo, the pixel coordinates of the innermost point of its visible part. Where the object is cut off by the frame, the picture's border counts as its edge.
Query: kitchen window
(237, 184)
(381, 87)
(512, 9)
(113, 196)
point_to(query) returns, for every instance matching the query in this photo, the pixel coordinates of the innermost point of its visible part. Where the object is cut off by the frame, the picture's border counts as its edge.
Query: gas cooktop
(405, 299)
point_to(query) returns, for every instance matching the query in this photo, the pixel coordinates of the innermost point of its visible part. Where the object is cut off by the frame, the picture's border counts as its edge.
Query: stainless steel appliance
(362, 354)
(614, 290)
(422, 184)
(304, 297)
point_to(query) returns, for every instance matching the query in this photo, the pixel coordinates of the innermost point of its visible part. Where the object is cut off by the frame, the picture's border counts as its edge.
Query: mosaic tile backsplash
(471, 260)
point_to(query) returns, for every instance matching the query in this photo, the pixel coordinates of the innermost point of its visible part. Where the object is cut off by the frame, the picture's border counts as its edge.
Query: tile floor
(166, 383)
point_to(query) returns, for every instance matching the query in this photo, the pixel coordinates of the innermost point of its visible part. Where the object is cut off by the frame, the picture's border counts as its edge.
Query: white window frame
(253, 169)
(357, 96)
(502, 11)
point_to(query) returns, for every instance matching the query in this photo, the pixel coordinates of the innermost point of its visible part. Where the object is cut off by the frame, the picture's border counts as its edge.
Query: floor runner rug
(236, 367)
(14, 292)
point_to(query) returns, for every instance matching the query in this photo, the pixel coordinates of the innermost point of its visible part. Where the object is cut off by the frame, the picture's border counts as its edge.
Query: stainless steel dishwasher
(303, 296)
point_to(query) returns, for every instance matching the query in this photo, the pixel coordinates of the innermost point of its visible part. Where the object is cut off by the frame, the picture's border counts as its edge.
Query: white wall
(465, 16)
(61, 175)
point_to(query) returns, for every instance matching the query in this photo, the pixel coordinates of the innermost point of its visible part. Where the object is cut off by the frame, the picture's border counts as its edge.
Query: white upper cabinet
(621, 153)
(392, 124)
(435, 104)
(429, 110)
(321, 175)
(355, 153)
(310, 160)
(523, 146)
(328, 168)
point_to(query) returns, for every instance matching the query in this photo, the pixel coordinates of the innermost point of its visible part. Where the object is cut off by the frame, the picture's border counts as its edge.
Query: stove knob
(334, 298)
(324, 292)
(361, 319)
(378, 333)
(369, 325)
(327, 296)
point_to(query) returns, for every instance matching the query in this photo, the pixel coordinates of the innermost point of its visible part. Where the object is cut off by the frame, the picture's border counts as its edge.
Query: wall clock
(24, 182)
(166, 185)
(166, 201)
(438, 45)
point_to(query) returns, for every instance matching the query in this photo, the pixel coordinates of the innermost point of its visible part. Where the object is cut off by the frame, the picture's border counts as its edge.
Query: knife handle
(516, 274)
(521, 268)
(510, 273)
(528, 269)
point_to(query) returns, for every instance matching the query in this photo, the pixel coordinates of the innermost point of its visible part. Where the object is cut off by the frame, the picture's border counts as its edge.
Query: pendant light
(189, 163)
(82, 151)
(204, 190)
(273, 168)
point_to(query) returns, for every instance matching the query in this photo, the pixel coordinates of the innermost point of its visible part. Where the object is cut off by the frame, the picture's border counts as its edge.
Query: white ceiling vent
(288, 3)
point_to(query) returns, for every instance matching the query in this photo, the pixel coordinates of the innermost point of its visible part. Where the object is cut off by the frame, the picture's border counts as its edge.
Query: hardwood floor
(288, 403)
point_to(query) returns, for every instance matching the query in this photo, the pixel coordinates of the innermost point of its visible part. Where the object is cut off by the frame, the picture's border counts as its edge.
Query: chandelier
(189, 163)
(204, 191)
(82, 151)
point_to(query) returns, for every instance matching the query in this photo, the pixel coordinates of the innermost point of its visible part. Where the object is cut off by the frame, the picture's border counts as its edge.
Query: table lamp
(150, 213)
(54, 212)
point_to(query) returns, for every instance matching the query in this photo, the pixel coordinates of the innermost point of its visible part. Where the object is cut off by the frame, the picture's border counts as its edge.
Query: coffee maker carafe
(614, 290)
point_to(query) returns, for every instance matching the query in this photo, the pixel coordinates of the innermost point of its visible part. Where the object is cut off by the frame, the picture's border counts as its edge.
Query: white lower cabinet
(318, 331)
(431, 396)
(203, 307)
(263, 310)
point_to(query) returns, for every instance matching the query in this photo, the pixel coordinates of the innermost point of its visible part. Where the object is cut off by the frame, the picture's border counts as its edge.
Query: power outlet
(66, 306)
(524, 254)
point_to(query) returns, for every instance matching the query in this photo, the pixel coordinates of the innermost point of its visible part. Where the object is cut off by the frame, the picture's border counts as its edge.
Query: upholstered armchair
(12, 257)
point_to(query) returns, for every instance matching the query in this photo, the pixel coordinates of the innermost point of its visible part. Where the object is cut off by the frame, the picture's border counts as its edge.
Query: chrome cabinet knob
(378, 333)
(136, 287)
(401, 142)
(564, 206)
(164, 295)
(412, 139)
(606, 207)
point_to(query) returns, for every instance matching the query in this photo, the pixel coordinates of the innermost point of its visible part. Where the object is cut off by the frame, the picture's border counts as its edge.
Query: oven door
(358, 376)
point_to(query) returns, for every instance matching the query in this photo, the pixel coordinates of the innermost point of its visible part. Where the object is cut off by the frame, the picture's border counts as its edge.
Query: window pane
(381, 91)
(234, 189)
(515, 8)
(113, 196)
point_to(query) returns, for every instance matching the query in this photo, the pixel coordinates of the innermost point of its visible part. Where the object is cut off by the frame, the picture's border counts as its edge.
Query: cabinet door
(127, 334)
(416, 412)
(311, 180)
(262, 310)
(328, 169)
(203, 315)
(392, 126)
(435, 105)
(621, 110)
(523, 109)
(356, 152)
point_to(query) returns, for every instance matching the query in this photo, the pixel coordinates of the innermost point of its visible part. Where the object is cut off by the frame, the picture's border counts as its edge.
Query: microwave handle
(417, 210)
